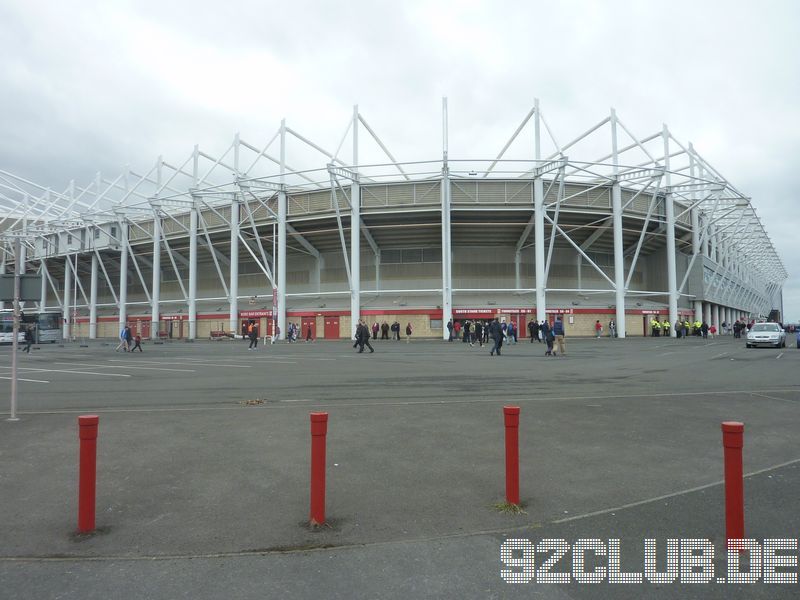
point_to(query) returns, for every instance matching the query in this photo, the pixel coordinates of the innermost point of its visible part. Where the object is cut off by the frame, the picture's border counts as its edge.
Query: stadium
(607, 225)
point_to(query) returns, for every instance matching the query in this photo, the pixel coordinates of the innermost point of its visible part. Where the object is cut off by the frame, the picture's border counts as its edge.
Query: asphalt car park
(203, 463)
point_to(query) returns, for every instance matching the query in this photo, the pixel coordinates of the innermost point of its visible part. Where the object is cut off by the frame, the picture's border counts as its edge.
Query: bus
(7, 328)
(47, 326)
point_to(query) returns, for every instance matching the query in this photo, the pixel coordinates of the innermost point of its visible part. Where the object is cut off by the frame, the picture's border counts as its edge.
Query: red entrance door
(331, 328)
(305, 324)
(144, 329)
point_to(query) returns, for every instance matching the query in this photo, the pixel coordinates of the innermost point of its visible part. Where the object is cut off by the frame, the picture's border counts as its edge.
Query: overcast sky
(91, 86)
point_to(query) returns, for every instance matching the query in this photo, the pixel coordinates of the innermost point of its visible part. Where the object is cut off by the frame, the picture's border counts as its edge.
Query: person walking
(28, 339)
(252, 332)
(612, 329)
(122, 343)
(467, 328)
(409, 331)
(362, 337)
(479, 332)
(137, 343)
(547, 336)
(531, 324)
(309, 336)
(496, 333)
(598, 329)
(558, 332)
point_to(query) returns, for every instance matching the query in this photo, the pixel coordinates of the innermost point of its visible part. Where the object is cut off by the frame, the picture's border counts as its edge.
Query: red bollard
(512, 453)
(733, 441)
(87, 480)
(319, 431)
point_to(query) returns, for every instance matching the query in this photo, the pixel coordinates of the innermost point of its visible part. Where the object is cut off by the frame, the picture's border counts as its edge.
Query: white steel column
(698, 310)
(193, 272)
(93, 299)
(43, 288)
(123, 273)
(355, 234)
(538, 224)
(65, 304)
(715, 318)
(707, 313)
(669, 202)
(281, 263)
(155, 308)
(447, 263)
(616, 211)
(3, 272)
(233, 285)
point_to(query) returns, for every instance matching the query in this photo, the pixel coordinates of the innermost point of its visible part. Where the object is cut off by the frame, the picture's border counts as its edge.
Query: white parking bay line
(129, 367)
(31, 380)
(779, 355)
(184, 364)
(76, 372)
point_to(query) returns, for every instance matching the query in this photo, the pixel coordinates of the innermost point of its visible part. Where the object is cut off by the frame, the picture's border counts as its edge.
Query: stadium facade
(646, 227)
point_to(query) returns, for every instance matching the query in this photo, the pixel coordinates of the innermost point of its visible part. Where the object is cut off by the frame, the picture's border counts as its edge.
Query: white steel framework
(645, 197)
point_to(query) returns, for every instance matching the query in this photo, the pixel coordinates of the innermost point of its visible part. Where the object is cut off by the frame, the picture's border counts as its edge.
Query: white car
(766, 334)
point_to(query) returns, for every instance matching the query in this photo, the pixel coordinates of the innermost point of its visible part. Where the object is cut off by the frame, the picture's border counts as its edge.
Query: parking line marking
(772, 397)
(129, 367)
(605, 511)
(779, 355)
(71, 371)
(185, 364)
(31, 380)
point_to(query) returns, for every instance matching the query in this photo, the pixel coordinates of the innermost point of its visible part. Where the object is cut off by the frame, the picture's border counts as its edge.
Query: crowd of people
(499, 332)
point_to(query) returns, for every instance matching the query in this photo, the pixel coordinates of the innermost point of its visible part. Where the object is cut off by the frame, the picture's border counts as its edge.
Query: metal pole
(233, 287)
(43, 289)
(193, 272)
(93, 299)
(616, 210)
(15, 341)
(538, 225)
(281, 263)
(447, 262)
(67, 297)
(672, 280)
(155, 308)
(123, 274)
(355, 234)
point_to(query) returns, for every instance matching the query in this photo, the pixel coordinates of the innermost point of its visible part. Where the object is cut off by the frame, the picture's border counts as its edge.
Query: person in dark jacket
(479, 332)
(558, 332)
(28, 339)
(128, 335)
(496, 333)
(362, 337)
(384, 331)
(252, 333)
(548, 336)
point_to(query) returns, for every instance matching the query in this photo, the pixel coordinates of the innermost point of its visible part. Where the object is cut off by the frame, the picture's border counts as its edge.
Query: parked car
(766, 334)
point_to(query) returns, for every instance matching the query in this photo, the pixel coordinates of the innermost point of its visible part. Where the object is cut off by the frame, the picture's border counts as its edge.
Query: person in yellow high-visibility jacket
(665, 328)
